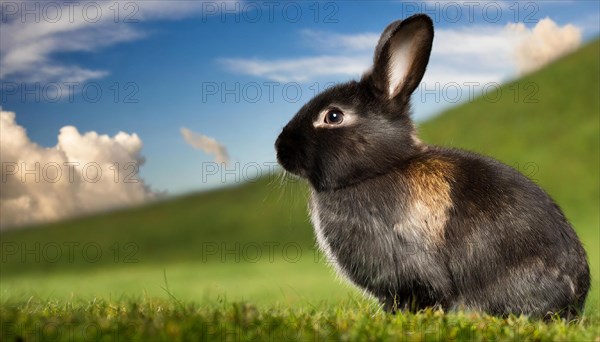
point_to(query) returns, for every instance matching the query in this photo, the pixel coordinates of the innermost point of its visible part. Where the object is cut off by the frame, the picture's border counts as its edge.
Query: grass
(280, 282)
(353, 319)
(239, 263)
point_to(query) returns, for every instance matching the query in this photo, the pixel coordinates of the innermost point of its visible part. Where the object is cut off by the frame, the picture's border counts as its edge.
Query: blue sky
(170, 67)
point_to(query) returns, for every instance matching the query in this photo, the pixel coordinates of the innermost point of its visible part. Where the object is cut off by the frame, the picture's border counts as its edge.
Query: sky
(190, 95)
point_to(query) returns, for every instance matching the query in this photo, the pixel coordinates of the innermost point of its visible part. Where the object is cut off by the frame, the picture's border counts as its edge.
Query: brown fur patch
(429, 185)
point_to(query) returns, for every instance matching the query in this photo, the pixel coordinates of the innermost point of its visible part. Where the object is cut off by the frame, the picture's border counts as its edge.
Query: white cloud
(34, 31)
(77, 176)
(479, 54)
(544, 43)
(299, 69)
(208, 145)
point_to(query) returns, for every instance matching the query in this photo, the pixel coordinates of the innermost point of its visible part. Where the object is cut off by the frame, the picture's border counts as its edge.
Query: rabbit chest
(384, 234)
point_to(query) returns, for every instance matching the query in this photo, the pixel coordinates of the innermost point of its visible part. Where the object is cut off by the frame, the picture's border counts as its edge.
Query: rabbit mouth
(290, 163)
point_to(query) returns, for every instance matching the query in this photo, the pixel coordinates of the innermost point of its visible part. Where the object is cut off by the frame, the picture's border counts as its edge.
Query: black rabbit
(423, 226)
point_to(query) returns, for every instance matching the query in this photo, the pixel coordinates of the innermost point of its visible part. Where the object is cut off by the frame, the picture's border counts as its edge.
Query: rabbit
(419, 226)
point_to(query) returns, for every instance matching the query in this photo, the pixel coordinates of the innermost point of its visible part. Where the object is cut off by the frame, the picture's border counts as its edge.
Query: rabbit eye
(334, 117)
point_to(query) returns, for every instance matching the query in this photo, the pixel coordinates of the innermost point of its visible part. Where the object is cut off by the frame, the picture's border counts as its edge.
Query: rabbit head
(361, 129)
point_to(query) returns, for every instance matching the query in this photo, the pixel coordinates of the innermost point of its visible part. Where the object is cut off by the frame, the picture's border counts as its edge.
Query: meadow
(239, 263)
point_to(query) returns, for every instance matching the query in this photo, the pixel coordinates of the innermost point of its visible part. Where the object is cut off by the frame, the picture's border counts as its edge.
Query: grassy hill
(176, 230)
(254, 242)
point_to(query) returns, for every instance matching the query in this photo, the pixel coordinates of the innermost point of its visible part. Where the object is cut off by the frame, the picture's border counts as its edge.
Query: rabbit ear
(402, 54)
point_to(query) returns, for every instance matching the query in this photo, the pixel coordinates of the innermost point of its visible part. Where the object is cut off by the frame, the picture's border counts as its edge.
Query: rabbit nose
(285, 145)
(282, 138)
(282, 144)
(278, 142)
